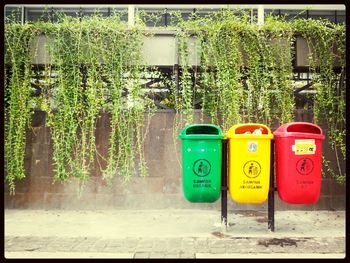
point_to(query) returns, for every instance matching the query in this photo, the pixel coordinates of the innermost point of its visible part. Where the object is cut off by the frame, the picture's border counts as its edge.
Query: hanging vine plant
(109, 53)
(18, 40)
(124, 74)
(227, 61)
(186, 92)
(94, 66)
(241, 78)
(246, 72)
(326, 43)
(278, 70)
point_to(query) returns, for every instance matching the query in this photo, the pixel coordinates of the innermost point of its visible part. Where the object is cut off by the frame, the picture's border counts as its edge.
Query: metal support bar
(335, 17)
(261, 14)
(301, 96)
(52, 13)
(303, 88)
(224, 183)
(131, 15)
(149, 83)
(80, 13)
(23, 15)
(194, 11)
(162, 106)
(271, 196)
(166, 17)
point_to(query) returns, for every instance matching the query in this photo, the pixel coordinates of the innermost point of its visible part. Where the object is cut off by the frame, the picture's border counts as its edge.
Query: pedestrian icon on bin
(305, 166)
(252, 169)
(201, 167)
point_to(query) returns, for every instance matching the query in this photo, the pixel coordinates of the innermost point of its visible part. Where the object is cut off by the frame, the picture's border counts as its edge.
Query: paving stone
(99, 245)
(58, 244)
(217, 250)
(217, 246)
(172, 255)
(156, 255)
(187, 255)
(174, 245)
(141, 255)
(115, 250)
(159, 245)
(84, 244)
(130, 245)
(116, 243)
(28, 243)
(217, 243)
(116, 246)
(201, 245)
(188, 245)
(144, 245)
(59, 247)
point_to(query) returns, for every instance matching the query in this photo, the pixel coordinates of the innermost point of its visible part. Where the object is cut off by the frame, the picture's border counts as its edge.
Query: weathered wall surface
(161, 189)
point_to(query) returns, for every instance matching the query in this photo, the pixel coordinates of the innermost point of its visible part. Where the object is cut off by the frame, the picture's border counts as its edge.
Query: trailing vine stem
(326, 43)
(18, 41)
(246, 72)
(94, 66)
(240, 79)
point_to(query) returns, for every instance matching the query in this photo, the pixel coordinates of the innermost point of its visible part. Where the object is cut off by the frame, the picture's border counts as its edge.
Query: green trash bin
(201, 162)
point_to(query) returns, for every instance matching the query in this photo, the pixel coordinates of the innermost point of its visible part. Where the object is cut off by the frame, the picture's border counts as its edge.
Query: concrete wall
(160, 49)
(161, 189)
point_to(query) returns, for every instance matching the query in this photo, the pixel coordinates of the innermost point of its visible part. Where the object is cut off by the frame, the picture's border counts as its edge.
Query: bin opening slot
(202, 130)
(304, 128)
(250, 129)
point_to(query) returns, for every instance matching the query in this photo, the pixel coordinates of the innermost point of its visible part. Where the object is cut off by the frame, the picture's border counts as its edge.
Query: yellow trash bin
(249, 162)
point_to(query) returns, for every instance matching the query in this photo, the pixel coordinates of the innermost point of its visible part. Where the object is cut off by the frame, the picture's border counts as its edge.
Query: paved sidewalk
(172, 234)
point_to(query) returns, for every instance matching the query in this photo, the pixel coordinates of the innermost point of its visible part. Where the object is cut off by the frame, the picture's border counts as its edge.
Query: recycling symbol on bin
(252, 169)
(201, 167)
(305, 166)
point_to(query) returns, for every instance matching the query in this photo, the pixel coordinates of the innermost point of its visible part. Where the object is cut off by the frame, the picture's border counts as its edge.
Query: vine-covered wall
(95, 67)
(161, 189)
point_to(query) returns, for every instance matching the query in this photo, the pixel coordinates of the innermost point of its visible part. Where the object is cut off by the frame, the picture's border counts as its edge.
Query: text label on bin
(302, 147)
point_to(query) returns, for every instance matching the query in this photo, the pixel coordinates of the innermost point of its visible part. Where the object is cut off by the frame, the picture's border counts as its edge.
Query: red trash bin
(298, 157)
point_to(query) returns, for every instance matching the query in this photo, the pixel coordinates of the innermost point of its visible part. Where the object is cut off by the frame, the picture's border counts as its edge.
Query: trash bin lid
(300, 130)
(246, 131)
(201, 131)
